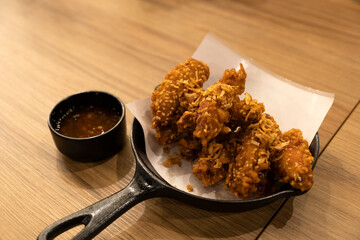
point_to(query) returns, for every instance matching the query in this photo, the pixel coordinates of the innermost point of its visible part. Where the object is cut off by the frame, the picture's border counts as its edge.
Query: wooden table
(52, 49)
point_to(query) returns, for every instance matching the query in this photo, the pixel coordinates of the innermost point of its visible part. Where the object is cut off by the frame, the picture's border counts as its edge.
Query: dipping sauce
(87, 122)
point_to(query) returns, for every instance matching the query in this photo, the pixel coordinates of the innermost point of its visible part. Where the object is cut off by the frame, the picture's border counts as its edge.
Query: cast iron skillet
(147, 183)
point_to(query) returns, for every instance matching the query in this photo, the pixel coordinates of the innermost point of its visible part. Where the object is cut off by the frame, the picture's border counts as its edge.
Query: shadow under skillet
(185, 220)
(286, 210)
(286, 215)
(86, 174)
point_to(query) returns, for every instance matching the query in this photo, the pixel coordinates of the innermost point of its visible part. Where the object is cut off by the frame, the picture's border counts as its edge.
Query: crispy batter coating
(212, 167)
(172, 160)
(234, 142)
(295, 164)
(210, 121)
(247, 175)
(234, 78)
(175, 95)
(189, 147)
(217, 102)
(246, 112)
(187, 122)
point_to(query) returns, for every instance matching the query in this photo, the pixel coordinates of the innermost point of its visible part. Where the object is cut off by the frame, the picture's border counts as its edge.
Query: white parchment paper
(292, 106)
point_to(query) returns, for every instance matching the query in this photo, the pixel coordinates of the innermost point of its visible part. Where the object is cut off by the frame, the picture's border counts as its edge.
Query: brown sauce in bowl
(87, 122)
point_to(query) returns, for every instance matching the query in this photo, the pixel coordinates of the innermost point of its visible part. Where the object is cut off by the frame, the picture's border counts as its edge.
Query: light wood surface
(52, 49)
(330, 210)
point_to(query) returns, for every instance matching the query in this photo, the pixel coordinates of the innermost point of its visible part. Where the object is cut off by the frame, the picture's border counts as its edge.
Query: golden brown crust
(295, 164)
(210, 121)
(189, 147)
(234, 78)
(246, 111)
(212, 166)
(216, 104)
(187, 122)
(173, 159)
(174, 95)
(247, 175)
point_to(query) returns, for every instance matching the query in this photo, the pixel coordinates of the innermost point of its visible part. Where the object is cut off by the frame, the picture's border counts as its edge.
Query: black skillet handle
(101, 214)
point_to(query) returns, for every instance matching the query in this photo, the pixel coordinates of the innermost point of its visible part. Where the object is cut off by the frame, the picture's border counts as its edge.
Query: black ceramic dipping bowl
(90, 148)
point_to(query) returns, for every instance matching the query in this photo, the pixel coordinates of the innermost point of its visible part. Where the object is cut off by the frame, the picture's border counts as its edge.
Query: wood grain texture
(330, 209)
(52, 49)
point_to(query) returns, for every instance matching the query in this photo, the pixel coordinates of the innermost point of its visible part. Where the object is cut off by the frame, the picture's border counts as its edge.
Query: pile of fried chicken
(227, 138)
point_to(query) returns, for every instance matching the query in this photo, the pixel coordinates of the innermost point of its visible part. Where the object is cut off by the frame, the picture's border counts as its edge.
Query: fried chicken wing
(212, 167)
(189, 147)
(173, 97)
(234, 78)
(295, 164)
(245, 112)
(210, 121)
(217, 101)
(187, 122)
(247, 175)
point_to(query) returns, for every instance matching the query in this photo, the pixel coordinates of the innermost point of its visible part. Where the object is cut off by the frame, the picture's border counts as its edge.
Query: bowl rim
(121, 119)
